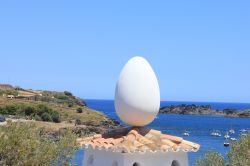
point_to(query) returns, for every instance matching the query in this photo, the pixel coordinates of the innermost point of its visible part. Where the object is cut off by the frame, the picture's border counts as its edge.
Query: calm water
(200, 127)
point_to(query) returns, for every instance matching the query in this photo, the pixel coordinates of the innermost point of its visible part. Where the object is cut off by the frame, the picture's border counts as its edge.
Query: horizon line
(181, 101)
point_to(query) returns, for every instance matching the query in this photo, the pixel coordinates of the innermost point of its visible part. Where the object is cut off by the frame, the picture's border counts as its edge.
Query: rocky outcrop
(193, 109)
(241, 114)
(187, 109)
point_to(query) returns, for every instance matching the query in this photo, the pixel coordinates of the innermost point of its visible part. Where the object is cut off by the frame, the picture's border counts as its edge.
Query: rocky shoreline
(192, 109)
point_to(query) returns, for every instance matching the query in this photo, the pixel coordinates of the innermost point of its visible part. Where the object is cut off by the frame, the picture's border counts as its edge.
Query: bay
(199, 127)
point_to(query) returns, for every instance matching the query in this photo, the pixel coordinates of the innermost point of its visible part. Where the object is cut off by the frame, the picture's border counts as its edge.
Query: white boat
(243, 130)
(226, 135)
(231, 131)
(186, 133)
(243, 134)
(216, 134)
(226, 143)
(233, 139)
(213, 133)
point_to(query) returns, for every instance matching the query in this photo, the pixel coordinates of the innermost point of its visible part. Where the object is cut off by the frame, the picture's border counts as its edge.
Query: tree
(239, 155)
(211, 158)
(46, 117)
(29, 110)
(55, 117)
(79, 110)
(24, 144)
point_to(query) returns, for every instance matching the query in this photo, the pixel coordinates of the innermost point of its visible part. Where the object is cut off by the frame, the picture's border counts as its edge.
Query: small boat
(213, 133)
(226, 143)
(186, 133)
(233, 139)
(243, 130)
(231, 131)
(243, 134)
(216, 134)
(226, 135)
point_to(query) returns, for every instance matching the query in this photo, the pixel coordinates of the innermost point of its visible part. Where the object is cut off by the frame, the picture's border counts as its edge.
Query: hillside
(51, 109)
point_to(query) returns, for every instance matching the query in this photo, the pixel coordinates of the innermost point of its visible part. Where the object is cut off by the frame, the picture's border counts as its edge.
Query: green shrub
(70, 104)
(78, 122)
(38, 118)
(211, 158)
(11, 109)
(11, 92)
(24, 144)
(46, 117)
(239, 155)
(62, 97)
(3, 111)
(67, 93)
(29, 110)
(79, 110)
(33, 111)
(55, 117)
(42, 109)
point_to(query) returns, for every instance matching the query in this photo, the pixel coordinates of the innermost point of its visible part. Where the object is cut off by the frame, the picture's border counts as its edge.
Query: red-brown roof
(129, 140)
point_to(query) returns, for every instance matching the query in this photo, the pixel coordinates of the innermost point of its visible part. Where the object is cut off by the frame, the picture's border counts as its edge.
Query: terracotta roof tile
(129, 140)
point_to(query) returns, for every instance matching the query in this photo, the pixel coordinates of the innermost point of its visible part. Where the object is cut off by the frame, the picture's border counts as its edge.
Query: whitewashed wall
(109, 158)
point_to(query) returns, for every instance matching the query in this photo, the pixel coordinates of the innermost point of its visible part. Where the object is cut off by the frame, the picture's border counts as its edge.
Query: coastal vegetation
(27, 144)
(239, 155)
(53, 110)
(40, 127)
(32, 111)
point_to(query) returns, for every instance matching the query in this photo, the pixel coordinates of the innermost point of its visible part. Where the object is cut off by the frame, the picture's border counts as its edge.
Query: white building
(137, 102)
(95, 157)
(136, 147)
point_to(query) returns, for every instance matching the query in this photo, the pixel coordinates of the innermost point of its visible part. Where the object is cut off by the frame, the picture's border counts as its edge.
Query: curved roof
(129, 140)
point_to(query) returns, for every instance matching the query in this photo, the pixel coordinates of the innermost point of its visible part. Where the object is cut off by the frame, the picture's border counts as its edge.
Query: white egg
(137, 95)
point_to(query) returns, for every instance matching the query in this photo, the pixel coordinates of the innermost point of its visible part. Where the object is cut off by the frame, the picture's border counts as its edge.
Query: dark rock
(2, 119)
(193, 109)
(186, 109)
(228, 111)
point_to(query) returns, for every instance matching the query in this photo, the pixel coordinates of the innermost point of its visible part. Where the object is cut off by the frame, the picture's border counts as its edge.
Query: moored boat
(186, 133)
(233, 139)
(226, 143)
(231, 131)
(226, 135)
(216, 133)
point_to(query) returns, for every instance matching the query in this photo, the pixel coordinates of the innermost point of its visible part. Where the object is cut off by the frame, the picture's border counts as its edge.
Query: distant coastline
(193, 109)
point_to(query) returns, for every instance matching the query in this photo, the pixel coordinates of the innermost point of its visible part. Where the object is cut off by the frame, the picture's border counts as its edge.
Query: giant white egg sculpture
(137, 95)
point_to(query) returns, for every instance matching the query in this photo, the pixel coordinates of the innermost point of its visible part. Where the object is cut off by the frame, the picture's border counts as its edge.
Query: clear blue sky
(199, 50)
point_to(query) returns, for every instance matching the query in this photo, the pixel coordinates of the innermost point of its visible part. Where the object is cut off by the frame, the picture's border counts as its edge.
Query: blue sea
(199, 127)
